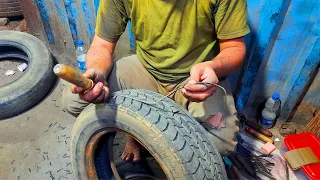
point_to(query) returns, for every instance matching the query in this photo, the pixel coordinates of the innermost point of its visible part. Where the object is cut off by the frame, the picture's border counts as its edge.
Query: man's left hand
(202, 72)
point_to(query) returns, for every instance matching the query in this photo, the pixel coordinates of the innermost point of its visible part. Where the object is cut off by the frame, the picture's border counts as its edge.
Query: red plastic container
(306, 140)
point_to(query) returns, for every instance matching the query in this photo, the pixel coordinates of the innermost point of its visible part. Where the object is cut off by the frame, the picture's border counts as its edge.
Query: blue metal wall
(284, 52)
(283, 46)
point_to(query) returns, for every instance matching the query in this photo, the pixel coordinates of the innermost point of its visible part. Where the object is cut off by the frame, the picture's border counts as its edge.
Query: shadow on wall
(282, 50)
(283, 54)
(265, 19)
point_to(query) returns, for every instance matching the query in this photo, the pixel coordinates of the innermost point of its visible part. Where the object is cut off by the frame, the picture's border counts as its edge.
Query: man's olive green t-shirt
(173, 35)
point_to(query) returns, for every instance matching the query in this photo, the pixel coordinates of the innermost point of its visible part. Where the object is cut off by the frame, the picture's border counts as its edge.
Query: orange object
(302, 140)
(259, 135)
(69, 74)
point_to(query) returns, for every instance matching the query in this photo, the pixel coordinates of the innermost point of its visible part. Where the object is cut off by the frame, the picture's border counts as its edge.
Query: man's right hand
(99, 93)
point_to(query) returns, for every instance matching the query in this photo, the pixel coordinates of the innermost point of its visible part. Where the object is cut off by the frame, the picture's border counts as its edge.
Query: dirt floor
(9, 65)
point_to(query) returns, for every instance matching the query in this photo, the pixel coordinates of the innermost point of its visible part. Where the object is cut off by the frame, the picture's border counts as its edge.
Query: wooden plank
(34, 22)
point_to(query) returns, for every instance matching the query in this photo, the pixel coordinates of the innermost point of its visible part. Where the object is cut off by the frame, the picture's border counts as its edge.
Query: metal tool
(258, 162)
(246, 165)
(265, 173)
(258, 128)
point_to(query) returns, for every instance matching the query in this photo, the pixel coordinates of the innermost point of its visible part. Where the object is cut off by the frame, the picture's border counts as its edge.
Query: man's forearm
(99, 59)
(99, 55)
(228, 61)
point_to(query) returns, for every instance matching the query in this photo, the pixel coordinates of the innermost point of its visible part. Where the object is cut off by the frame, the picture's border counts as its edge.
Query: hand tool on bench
(75, 77)
(259, 135)
(235, 161)
(232, 170)
(246, 165)
(258, 128)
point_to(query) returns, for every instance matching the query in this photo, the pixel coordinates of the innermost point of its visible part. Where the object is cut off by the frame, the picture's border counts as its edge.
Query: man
(179, 42)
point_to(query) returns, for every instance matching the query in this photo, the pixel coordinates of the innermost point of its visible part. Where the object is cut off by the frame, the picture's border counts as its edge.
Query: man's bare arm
(99, 55)
(230, 58)
(99, 64)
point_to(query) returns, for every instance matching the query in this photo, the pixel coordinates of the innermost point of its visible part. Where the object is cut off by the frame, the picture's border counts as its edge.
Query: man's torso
(173, 35)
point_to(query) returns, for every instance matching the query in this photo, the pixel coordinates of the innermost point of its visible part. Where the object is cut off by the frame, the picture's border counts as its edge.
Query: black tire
(36, 81)
(13, 53)
(170, 134)
(10, 8)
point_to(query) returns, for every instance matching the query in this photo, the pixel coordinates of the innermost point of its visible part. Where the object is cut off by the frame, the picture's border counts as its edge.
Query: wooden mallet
(69, 74)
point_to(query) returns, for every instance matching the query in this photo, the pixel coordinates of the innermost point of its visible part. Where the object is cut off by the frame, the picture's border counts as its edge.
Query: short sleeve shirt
(173, 35)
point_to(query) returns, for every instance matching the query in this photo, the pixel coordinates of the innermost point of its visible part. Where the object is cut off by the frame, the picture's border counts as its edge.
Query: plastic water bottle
(81, 56)
(269, 113)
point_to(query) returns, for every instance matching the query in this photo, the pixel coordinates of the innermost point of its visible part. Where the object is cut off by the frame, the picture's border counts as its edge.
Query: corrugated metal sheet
(310, 103)
(284, 52)
(283, 46)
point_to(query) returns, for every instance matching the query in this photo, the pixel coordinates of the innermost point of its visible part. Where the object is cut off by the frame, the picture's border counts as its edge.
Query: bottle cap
(80, 43)
(275, 96)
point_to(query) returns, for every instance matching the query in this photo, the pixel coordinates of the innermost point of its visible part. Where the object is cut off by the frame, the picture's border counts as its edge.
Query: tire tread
(180, 124)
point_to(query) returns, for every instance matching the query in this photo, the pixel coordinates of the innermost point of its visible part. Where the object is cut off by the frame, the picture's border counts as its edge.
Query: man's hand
(202, 72)
(99, 93)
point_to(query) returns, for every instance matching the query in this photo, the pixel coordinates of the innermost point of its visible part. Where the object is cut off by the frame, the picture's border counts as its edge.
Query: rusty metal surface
(89, 156)
(310, 104)
(30, 12)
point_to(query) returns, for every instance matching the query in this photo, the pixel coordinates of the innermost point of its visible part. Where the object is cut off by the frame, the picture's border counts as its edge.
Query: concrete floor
(36, 144)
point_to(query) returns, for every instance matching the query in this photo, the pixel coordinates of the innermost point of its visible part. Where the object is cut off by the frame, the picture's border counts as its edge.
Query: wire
(186, 85)
(197, 83)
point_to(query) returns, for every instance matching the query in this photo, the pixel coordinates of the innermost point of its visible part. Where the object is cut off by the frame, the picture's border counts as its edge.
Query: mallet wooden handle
(259, 135)
(69, 74)
(258, 128)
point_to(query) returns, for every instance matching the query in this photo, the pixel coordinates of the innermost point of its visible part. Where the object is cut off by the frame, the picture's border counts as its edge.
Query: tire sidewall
(96, 119)
(36, 81)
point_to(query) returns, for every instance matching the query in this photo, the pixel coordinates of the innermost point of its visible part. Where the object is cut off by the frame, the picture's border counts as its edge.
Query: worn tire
(171, 134)
(10, 8)
(36, 81)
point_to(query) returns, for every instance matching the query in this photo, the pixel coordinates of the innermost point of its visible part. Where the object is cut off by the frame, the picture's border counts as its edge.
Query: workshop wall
(283, 56)
(283, 46)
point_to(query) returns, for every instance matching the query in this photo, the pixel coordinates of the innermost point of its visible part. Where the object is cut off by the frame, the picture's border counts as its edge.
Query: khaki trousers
(129, 73)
